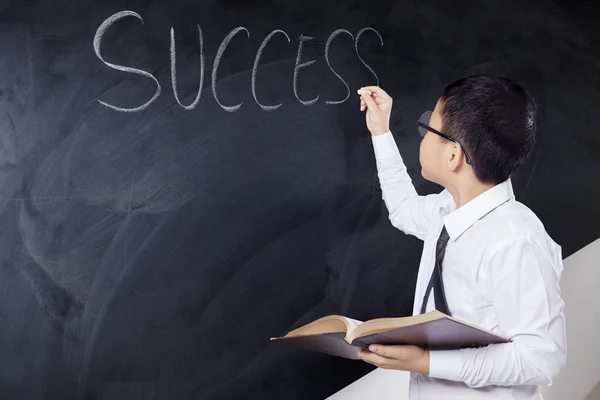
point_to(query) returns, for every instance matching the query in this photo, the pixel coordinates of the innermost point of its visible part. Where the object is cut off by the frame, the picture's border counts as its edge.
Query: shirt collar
(460, 219)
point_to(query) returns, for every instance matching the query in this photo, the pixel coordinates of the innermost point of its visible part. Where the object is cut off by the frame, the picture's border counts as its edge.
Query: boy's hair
(494, 118)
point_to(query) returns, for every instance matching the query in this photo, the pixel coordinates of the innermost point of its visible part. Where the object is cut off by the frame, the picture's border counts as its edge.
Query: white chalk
(366, 91)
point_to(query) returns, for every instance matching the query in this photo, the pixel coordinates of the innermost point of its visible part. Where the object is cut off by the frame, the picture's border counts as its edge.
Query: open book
(342, 336)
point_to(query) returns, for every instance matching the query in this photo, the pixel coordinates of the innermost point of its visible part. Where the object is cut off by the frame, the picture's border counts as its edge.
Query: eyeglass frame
(427, 127)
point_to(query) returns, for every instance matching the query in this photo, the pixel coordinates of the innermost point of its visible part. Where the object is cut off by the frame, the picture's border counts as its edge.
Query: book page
(353, 323)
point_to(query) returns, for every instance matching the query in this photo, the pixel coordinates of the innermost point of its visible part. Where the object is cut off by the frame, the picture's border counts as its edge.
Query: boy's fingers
(369, 101)
(372, 358)
(379, 100)
(376, 90)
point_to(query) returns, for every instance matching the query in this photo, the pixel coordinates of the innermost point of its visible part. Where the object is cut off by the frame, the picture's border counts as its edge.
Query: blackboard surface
(153, 237)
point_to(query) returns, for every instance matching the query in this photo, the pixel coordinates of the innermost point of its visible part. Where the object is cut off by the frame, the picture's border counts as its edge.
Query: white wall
(580, 285)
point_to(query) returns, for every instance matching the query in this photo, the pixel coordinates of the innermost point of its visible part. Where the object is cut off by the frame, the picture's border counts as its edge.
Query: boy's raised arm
(408, 211)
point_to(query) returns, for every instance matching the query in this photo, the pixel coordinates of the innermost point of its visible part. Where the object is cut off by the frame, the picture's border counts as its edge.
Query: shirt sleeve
(523, 281)
(408, 211)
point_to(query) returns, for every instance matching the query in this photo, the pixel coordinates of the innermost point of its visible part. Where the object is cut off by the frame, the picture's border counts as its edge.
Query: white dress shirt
(501, 272)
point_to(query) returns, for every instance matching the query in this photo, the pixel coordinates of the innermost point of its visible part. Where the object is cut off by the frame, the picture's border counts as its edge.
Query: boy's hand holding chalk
(379, 107)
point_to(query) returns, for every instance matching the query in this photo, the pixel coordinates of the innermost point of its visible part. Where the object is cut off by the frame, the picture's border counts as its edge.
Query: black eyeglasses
(423, 124)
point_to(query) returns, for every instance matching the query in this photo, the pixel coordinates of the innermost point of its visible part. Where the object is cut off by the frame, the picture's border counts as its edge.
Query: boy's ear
(455, 156)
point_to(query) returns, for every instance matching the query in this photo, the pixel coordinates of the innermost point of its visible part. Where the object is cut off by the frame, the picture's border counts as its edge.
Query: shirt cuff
(385, 145)
(445, 364)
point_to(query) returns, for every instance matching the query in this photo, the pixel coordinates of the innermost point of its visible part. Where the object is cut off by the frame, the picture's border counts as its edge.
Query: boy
(486, 259)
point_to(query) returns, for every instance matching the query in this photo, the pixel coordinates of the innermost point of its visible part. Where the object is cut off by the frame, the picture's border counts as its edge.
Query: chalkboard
(182, 180)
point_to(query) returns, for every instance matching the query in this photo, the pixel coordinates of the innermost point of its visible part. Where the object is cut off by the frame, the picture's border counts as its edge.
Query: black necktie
(436, 277)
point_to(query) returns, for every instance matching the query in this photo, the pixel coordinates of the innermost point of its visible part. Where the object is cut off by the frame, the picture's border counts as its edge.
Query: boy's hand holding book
(402, 357)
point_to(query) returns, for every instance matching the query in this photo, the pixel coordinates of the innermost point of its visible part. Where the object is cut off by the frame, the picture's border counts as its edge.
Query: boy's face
(432, 151)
